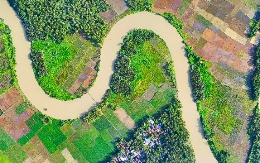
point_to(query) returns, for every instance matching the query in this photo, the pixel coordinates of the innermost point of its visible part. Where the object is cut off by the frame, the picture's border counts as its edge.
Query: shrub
(203, 21)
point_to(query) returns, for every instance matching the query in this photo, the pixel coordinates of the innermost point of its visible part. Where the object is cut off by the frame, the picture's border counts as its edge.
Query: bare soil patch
(125, 118)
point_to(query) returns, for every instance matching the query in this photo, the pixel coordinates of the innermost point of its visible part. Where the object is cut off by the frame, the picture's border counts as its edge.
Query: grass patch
(73, 151)
(98, 152)
(218, 107)
(102, 124)
(4, 62)
(183, 7)
(51, 136)
(251, 3)
(5, 140)
(107, 137)
(138, 109)
(16, 154)
(57, 157)
(35, 123)
(114, 133)
(64, 62)
(204, 21)
(21, 108)
(146, 66)
(68, 130)
(118, 127)
(4, 158)
(87, 140)
(94, 145)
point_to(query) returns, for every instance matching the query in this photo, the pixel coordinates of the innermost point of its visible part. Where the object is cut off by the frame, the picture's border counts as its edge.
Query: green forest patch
(51, 19)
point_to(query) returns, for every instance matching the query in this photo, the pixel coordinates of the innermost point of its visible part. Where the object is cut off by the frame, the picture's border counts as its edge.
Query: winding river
(72, 109)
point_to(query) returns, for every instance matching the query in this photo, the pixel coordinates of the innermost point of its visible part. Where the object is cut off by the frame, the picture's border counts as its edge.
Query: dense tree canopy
(140, 5)
(54, 19)
(38, 64)
(254, 132)
(256, 75)
(198, 87)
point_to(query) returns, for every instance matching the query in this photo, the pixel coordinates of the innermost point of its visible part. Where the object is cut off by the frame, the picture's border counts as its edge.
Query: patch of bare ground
(124, 118)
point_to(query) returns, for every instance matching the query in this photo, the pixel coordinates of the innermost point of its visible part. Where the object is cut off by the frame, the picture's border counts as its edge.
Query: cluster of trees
(92, 116)
(38, 64)
(140, 5)
(222, 156)
(198, 87)
(55, 19)
(169, 71)
(254, 126)
(174, 21)
(256, 75)
(124, 74)
(254, 132)
(159, 138)
(254, 25)
(197, 65)
(96, 113)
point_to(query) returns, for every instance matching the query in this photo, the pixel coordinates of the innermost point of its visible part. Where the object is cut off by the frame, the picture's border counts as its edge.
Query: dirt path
(72, 109)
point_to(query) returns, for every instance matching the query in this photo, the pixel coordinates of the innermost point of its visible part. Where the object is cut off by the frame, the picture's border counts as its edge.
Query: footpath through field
(72, 109)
